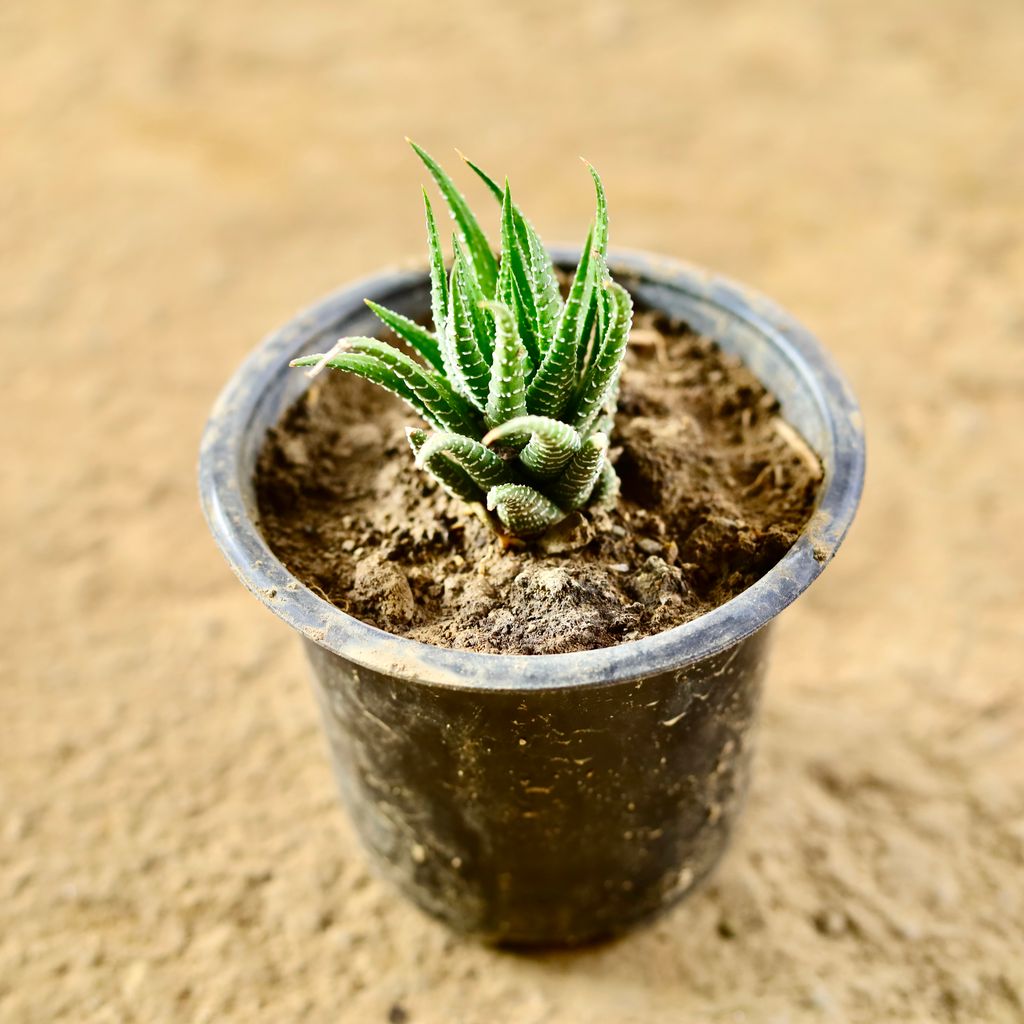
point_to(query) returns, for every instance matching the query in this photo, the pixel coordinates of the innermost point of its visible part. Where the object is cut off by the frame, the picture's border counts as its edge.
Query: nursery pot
(559, 798)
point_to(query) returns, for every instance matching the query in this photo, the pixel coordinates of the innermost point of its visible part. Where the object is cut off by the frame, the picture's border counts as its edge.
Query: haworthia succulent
(518, 385)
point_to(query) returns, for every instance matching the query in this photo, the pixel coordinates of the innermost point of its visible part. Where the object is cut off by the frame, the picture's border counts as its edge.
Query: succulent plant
(518, 385)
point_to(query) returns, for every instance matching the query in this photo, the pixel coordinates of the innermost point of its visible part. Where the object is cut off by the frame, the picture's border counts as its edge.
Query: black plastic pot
(552, 799)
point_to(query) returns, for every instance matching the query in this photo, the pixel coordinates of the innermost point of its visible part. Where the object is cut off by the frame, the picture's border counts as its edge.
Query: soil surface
(180, 177)
(715, 490)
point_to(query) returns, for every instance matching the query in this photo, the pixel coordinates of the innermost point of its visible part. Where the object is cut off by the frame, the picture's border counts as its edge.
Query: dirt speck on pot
(714, 492)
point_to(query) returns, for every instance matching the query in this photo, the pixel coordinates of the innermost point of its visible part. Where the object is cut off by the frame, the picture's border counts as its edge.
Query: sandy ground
(179, 177)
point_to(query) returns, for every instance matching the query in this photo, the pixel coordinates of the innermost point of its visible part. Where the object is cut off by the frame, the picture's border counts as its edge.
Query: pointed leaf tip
(477, 247)
(417, 337)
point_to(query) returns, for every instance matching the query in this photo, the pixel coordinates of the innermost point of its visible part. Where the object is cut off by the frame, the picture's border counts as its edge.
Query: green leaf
(515, 303)
(595, 323)
(451, 476)
(483, 322)
(552, 385)
(453, 411)
(602, 375)
(417, 438)
(606, 490)
(515, 285)
(464, 363)
(438, 279)
(472, 236)
(601, 218)
(485, 467)
(547, 298)
(418, 337)
(506, 398)
(592, 303)
(493, 187)
(572, 490)
(546, 444)
(524, 511)
(426, 391)
(372, 370)
(543, 283)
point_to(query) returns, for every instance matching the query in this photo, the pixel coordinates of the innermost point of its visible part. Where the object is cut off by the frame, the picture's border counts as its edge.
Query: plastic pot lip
(223, 495)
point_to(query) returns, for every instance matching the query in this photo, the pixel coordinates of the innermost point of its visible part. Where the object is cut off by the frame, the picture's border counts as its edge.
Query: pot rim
(229, 516)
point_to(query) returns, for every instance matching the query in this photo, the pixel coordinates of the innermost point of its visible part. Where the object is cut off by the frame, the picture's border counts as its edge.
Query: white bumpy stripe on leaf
(553, 384)
(523, 510)
(426, 391)
(546, 445)
(507, 396)
(484, 467)
(438, 280)
(463, 361)
(450, 475)
(573, 489)
(603, 372)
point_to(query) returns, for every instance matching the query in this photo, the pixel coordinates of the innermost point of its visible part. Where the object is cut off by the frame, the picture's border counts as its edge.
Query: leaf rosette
(517, 384)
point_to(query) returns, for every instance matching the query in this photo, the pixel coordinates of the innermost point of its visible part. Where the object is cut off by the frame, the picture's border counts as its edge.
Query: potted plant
(549, 739)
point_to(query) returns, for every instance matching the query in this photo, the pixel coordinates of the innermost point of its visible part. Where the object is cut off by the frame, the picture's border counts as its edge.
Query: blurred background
(179, 177)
